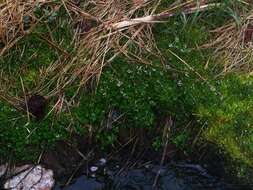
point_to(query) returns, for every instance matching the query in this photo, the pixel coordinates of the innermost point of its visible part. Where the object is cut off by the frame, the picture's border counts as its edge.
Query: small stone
(93, 168)
(102, 161)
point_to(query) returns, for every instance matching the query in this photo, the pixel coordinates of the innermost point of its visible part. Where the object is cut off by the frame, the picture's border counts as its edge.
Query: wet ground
(140, 169)
(130, 168)
(173, 176)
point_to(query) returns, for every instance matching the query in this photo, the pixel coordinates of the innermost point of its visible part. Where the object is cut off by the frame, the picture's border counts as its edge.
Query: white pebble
(93, 168)
(102, 161)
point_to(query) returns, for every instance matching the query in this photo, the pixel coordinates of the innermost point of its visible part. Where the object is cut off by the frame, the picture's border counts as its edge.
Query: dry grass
(17, 19)
(233, 45)
(121, 28)
(106, 29)
(13, 14)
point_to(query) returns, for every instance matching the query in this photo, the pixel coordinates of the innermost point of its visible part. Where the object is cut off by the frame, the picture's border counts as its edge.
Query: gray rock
(32, 178)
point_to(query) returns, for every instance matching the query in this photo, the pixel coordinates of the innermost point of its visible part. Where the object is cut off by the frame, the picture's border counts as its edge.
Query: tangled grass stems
(105, 29)
(233, 44)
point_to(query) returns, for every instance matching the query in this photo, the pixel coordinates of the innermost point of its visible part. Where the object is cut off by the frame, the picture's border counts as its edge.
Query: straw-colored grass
(105, 30)
(233, 45)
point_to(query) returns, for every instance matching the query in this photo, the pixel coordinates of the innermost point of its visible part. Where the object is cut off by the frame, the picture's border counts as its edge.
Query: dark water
(151, 177)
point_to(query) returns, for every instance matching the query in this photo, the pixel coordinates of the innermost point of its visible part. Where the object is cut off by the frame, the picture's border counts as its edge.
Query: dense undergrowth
(218, 108)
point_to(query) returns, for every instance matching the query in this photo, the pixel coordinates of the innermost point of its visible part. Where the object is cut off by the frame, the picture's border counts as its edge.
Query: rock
(93, 168)
(16, 170)
(85, 183)
(102, 161)
(32, 178)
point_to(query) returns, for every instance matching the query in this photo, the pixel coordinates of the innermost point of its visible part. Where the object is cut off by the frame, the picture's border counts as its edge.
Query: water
(180, 176)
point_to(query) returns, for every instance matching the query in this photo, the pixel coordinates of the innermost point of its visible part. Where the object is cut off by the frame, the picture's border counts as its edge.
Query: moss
(230, 119)
(24, 140)
(33, 53)
(222, 105)
(20, 139)
(141, 94)
(135, 90)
